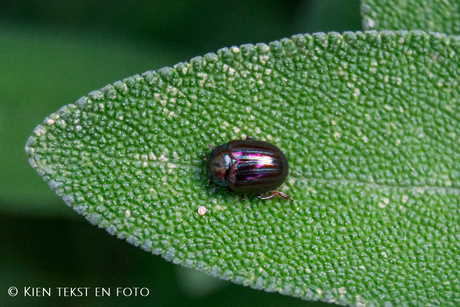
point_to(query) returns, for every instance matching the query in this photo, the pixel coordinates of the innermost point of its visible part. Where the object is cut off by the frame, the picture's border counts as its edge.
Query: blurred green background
(52, 53)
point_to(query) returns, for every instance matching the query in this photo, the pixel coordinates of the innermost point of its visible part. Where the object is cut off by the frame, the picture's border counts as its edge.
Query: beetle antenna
(210, 146)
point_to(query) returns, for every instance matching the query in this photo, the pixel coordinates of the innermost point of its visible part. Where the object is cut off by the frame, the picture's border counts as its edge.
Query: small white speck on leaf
(336, 134)
(171, 167)
(127, 213)
(162, 158)
(202, 210)
(263, 59)
(356, 92)
(370, 22)
(365, 139)
(405, 198)
(398, 142)
(39, 130)
(78, 144)
(381, 205)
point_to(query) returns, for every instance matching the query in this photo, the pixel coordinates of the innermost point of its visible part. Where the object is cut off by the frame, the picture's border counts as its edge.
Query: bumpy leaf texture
(429, 15)
(370, 124)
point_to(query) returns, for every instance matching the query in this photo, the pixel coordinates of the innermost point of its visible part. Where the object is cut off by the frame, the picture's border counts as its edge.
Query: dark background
(53, 52)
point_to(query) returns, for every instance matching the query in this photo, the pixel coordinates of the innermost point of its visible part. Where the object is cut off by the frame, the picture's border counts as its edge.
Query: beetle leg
(249, 138)
(210, 146)
(244, 197)
(275, 193)
(204, 156)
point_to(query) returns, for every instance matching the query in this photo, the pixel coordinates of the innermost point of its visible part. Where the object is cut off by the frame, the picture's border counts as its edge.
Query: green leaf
(427, 15)
(369, 123)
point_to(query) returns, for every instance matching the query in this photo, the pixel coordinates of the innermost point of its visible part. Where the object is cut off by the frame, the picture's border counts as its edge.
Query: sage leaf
(426, 15)
(369, 122)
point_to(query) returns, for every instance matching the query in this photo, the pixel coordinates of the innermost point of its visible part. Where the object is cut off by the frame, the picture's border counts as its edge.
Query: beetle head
(218, 165)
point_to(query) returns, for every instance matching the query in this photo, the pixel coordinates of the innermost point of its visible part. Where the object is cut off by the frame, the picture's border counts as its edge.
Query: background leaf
(369, 123)
(41, 69)
(426, 15)
(328, 15)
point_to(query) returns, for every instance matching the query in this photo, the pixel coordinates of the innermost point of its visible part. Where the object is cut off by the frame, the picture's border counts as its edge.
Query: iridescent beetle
(248, 167)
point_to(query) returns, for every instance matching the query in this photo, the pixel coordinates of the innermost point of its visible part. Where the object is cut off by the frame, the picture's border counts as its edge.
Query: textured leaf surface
(426, 15)
(369, 123)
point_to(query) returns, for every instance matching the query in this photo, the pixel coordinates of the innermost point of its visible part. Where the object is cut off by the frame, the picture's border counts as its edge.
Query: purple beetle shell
(247, 166)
